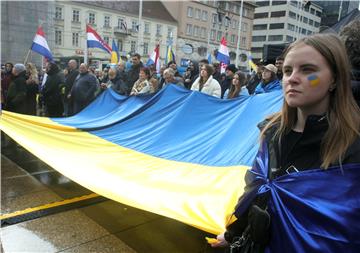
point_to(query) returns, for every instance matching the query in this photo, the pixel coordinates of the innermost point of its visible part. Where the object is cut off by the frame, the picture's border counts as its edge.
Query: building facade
(19, 23)
(281, 22)
(202, 24)
(113, 20)
(333, 11)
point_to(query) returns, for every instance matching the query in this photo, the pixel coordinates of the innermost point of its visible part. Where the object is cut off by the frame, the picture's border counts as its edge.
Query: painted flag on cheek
(314, 80)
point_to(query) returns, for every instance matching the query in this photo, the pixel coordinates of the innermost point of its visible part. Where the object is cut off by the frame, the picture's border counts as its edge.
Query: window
(256, 50)
(212, 34)
(258, 38)
(134, 26)
(76, 16)
(305, 20)
(294, 3)
(204, 15)
(226, 22)
(75, 39)
(246, 12)
(303, 31)
(291, 27)
(188, 29)
(196, 31)
(158, 30)
(170, 32)
(309, 32)
(147, 28)
(91, 18)
(219, 35)
(58, 13)
(243, 41)
(120, 45)
(146, 48)
(133, 46)
(278, 2)
(214, 18)
(121, 23)
(312, 11)
(317, 24)
(275, 37)
(106, 21)
(197, 13)
(289, 38)
(232, 39)
(318, 13)
(233, 23)
(311, 22)
(58, 37)
(106, 39)
(277, 14)
(260, 27)
(203, 32)
(244, 27)
(276, 26)
(292, 14)
(190, 12)
(261, 15)
(263, 3)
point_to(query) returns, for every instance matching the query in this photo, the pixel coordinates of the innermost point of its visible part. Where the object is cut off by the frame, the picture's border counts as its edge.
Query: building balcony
(121, 31)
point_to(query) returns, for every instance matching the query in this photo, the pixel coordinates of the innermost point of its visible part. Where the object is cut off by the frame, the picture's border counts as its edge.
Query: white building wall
(68, 27)
(287, 34)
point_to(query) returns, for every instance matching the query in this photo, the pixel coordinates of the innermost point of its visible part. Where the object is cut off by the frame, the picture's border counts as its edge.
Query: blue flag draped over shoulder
(311, 211)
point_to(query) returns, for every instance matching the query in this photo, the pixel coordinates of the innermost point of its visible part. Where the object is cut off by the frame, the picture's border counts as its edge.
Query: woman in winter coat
(205, 83)
(269, 81)
(142, 85)
(306, 173)
(32, 87)
(238, 86)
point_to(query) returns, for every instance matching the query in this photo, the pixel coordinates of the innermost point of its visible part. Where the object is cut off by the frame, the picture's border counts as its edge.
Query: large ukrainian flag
(179, 153)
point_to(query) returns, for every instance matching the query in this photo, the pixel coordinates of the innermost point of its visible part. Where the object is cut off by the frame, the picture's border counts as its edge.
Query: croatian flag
(40, 45)
(94, 40)
(223, 55)
(154, 58)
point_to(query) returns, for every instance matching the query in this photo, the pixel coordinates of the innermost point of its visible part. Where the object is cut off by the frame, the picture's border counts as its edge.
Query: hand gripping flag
(114, 53)
(154, 58)
(223, 55)
(94, 40)
(40, 45)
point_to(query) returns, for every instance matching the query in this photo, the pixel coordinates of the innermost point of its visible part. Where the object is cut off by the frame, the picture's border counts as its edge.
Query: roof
(353, 15)
(151, 9)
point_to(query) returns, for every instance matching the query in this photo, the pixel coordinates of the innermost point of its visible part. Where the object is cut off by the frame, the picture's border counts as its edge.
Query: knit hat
(19, 67)
(271, 68)
(231, 67)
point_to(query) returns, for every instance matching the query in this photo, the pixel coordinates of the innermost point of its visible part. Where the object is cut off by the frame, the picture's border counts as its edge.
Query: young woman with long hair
(205, 83)
(238, 86)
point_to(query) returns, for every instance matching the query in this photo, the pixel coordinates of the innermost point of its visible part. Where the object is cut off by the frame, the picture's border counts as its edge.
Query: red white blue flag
(40, 45)
(94, 40)
(223, 55)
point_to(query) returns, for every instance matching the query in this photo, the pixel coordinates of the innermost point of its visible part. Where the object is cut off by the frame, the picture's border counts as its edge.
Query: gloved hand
(259, 221)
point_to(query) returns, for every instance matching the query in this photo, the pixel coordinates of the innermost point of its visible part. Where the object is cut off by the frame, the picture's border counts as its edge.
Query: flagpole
(140, 33)
(27, 56)
(86, 48)
(239, 36)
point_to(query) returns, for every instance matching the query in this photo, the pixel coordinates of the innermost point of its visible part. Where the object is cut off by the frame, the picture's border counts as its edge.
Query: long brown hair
(234, 90)
(343, 113)
(209, 70)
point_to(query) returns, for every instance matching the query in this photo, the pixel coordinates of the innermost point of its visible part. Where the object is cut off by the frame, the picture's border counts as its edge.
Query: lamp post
(239, 35)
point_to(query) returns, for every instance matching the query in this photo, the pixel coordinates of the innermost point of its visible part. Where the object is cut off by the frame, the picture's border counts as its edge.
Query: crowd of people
(57, 93)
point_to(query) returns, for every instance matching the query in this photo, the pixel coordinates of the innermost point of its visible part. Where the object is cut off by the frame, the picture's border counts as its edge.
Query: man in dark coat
(226, 84)
(133, 74)
(255, 79)
(52, 91)
(84, 89)
(6, 77)
(16, 96)
(69, 82)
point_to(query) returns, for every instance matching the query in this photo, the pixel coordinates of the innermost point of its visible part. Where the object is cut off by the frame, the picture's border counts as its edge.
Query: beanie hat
(19, 67)
(231, 67)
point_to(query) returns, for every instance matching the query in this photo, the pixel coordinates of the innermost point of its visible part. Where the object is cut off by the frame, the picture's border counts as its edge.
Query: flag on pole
(40, 45)
(154, 58)
(170, 56)
(114, 53)
(223, 55)
(94, 40)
